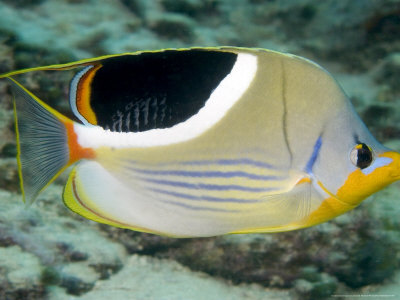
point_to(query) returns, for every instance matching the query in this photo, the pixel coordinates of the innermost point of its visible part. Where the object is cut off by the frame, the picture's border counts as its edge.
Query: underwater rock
(71, 254)
(356, 33)
(20, 274)
(383, 114)
(385, 209)
(192, 8)
(142, 243)
(9, 175)
(26, 56)
(150, 278)
(9, 150)
(174, 26)
(23, 3)
(6, 59)
(389, 72)
(369, 261)
(381, 119)
(75, 1)
(314, 285)
(57, 28)
(368, 29)
(7, 137)
(391, 288)
(135, 6)
(67, 248)
(6, 238)
(77, 279)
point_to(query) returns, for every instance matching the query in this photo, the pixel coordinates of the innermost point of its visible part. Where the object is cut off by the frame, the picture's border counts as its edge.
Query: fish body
(202, 142)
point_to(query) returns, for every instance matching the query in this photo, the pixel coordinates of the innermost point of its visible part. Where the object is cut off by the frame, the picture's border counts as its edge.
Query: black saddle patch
(133, 93)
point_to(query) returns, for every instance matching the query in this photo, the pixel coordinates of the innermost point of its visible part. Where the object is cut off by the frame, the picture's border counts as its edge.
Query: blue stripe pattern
(169, 180)
(203, 198)
(230, 162)
(194, 207)
(209, 174)
(212, 187)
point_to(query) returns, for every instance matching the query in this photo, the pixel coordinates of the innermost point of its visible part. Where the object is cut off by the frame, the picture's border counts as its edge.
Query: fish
(200, 142)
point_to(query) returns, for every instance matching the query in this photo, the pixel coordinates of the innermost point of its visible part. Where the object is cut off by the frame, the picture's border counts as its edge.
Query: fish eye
(361, 156)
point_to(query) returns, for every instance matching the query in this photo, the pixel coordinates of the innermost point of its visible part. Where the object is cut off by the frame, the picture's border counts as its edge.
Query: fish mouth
(393, 165)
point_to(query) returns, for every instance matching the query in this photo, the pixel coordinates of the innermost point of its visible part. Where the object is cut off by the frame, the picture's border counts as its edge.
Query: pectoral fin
(287, 211)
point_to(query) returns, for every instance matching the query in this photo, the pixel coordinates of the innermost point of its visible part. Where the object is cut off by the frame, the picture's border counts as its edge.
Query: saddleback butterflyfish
(201, 142)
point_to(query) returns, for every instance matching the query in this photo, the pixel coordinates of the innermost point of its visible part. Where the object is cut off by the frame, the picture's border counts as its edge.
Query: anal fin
(78, 198)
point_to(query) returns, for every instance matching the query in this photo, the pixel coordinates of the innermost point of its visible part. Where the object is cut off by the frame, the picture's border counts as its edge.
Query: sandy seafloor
(47, 252)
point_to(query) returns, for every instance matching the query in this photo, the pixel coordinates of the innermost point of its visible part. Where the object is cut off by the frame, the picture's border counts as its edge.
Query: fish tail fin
(43, 142)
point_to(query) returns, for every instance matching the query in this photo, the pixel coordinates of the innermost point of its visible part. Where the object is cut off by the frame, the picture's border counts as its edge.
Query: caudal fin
(42, 142)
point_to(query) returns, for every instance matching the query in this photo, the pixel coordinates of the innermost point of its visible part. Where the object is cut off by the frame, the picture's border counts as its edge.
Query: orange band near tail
(76, 151)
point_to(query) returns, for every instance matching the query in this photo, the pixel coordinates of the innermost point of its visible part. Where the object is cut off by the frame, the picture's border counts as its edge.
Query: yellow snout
(359, 185)
(363, 183)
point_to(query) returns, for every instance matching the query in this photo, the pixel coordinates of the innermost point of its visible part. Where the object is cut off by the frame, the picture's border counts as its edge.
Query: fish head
(352, 165)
